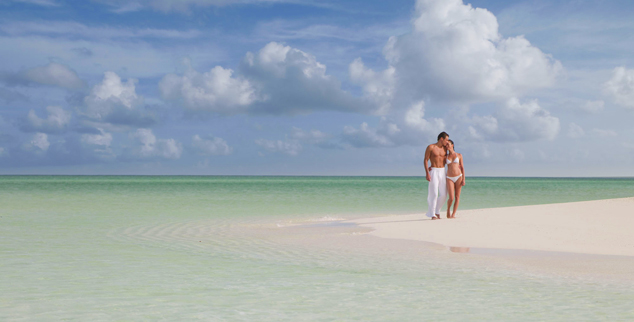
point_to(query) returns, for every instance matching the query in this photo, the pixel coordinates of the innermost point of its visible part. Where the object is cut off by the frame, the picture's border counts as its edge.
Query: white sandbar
(601, 227)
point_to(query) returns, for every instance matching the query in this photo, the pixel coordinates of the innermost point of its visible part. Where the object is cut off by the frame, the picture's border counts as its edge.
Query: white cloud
(277, 79)
(516, 122)
(113, 101)
(593, 107)
(111, 88)
(414, 118)
(455, 56)
(103, 139)
(315, 137)
(621, 87)
(604, 133)
(408, 127)
(526, 122)
(151, 147)
(290, 147)
(293, 81)
(216, 90)
(455, 53)
(365, 137)
(516, 154)
(575, 131)
(312, 136)
(483, 126)
(57, 121)
(100, 144)
(211, 146)
(377, 86)
(40, 140)
(54, 74)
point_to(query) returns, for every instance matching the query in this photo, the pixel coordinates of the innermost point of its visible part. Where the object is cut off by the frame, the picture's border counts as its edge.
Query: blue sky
(268, 87)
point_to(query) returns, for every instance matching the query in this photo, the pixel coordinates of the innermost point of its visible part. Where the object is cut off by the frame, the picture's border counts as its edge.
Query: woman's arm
(464, 176)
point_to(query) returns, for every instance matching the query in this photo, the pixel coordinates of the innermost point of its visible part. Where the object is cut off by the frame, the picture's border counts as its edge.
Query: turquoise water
(108, 248)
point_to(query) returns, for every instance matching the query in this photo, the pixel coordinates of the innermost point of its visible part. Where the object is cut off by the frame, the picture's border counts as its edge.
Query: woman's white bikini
(456, 160)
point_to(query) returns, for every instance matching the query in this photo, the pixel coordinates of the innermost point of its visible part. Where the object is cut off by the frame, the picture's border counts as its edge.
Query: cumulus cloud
(150, 147)
(294, 81)
(287, 146)
(515, 122)
(602, 133)
(216, 91)
(211, 146)
(116, 102)
(365, 137)
(516, 154)
(99, 144)
(414, 118)
(621, 87)
(575, 131)
(316, 138)
(277, 79)
(593, 107)
(378, 86)
(312, 136)
(103, 138)
(40, 141)
(455, 53)
(407, 127)
(56, 122)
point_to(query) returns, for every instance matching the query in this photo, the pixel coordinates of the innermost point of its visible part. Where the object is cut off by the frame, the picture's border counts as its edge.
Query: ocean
(231, 248)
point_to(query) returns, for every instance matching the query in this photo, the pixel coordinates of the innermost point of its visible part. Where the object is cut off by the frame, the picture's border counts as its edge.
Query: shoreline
(598, 227)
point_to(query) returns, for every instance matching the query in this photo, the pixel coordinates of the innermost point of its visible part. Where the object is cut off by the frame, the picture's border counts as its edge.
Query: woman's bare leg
(458, 189)
(450, 196)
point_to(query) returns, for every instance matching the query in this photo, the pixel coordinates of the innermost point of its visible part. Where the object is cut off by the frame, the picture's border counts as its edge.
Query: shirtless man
(436, 175)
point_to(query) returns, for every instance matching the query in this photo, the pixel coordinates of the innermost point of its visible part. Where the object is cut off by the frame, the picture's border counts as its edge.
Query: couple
(443, 181)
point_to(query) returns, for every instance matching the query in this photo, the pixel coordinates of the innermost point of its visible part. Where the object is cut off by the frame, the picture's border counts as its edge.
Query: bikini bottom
(454, 179)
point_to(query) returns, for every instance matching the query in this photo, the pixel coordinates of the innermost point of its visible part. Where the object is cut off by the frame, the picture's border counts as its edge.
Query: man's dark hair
(442, 135)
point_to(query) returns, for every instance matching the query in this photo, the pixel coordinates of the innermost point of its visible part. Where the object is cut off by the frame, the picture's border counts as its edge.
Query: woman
(455, 179)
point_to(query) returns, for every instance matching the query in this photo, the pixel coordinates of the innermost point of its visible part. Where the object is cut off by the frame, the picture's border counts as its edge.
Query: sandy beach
(601, 227)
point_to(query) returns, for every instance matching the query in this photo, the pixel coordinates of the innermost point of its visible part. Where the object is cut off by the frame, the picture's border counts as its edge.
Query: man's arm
(427, 156)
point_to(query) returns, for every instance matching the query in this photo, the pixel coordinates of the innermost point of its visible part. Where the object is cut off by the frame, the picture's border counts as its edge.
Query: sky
(304, 87)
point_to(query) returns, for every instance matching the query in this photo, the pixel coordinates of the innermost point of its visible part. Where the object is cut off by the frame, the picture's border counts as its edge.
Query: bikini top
(456, 160)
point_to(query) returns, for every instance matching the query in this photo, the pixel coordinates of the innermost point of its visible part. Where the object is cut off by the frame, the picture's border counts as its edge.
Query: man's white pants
(437, 192)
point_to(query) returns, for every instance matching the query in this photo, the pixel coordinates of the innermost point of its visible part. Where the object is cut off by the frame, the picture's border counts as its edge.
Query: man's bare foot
(435, 217)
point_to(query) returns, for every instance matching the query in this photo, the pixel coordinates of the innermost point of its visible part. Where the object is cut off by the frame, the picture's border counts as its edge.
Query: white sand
(602, 227)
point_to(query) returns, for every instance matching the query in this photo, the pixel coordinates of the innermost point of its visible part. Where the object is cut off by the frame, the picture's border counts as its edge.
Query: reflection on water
(459, 249)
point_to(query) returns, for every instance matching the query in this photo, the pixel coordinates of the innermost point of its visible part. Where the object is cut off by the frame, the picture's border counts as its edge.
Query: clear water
(101, 248)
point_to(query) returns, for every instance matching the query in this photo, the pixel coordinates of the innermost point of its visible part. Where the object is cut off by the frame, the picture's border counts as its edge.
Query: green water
(127, 248)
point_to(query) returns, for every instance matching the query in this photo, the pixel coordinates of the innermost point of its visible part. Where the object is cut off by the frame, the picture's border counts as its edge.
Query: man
(436, 175)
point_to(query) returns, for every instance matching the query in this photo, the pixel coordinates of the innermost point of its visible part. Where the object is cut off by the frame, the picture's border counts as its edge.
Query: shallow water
(103, 248)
